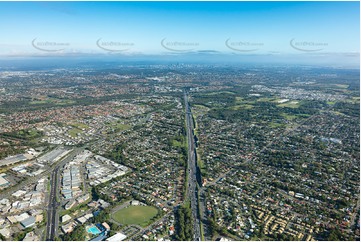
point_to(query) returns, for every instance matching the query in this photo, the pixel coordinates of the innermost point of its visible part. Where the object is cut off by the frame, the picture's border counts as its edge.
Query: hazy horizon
(297, 32)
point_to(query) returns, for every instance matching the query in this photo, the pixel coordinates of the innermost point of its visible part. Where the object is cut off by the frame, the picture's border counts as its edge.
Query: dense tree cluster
(184, 225)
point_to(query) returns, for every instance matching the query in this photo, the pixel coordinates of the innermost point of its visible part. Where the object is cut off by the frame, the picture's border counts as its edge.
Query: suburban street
(192, 171)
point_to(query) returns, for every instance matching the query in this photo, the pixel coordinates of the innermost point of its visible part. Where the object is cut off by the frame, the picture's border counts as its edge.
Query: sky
(170, 28)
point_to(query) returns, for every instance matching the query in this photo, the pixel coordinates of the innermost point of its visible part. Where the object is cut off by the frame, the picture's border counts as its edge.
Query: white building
(65, 218)
(5, 232)
(117, 237)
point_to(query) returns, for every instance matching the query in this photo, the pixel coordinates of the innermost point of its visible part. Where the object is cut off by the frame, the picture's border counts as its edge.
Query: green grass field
(242, 106)
(74, 132)
(176, 143)
(342, 86)
(118, 126)
(80, 125)
(135, 215)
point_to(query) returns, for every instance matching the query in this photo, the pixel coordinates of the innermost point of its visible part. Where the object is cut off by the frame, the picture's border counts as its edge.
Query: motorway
(192, 171)
(52, 209)
(52, 220)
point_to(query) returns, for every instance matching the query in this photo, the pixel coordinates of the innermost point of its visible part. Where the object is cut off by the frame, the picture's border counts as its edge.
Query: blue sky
(139, 27)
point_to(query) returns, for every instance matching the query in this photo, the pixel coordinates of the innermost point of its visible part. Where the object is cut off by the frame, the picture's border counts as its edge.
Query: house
(31, 236)
(81, 220)
(106, 226)
(67, 228)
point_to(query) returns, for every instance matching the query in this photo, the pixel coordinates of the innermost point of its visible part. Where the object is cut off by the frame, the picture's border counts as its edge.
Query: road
(28, 181)
(142, 230)
(52, 213)
(52, 220)
(356, 211)
(192, 171)
(52, 209)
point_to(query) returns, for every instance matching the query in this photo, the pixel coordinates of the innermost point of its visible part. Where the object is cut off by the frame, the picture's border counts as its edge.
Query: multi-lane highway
(192, 171)
(52, 219)
(52, 209)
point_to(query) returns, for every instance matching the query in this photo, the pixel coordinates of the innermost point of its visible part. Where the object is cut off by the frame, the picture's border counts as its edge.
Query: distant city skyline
(177, 28)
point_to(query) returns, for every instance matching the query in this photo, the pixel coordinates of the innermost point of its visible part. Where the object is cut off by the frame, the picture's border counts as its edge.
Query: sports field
(135, 215)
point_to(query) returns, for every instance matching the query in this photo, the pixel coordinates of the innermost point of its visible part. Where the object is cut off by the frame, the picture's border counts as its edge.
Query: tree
(78, 234)
(335, 235)
(184, 226)
(2, 237)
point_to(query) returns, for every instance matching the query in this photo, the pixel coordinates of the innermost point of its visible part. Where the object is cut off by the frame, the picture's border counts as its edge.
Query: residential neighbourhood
(167, 153)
